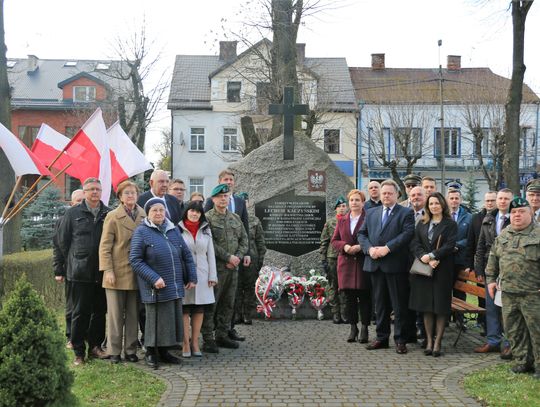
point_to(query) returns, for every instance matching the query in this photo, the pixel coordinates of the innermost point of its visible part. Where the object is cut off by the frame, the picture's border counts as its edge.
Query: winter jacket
(202, 250)
(155, 254)
(79, 234)
(488, 233)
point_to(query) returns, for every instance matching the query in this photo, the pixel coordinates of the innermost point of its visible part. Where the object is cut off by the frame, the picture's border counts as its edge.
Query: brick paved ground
(309, 363)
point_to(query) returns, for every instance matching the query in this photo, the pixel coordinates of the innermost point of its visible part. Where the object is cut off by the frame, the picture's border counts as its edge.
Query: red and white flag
(126, 159)
(50, 144)
(90, 149)
(22, 160)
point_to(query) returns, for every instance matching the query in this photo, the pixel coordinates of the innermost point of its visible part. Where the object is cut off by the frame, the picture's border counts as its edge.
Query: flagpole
(17, 184)
(14, 211)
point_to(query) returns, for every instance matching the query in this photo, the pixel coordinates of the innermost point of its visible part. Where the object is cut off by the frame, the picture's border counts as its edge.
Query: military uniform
(230, 238)
(412, 180)
(515, 261)
(329, 256)
(245, 294)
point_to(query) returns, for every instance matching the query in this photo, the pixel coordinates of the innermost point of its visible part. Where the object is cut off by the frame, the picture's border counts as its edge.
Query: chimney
(377, 61)
(32, 64)
(300, 53)
(227, 50)
(453, 62)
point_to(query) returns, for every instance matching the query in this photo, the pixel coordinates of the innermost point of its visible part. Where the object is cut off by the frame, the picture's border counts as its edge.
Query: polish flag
(48, 145)
(22, 160)
(126, 159)
(90, 149)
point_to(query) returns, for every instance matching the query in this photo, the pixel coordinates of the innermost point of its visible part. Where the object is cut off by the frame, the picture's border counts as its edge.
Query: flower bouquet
(268, 289)
(316, 287)
(295, 287)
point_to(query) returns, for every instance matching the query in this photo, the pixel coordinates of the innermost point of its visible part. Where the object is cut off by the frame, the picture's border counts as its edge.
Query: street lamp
(361, 104)
(442, 143)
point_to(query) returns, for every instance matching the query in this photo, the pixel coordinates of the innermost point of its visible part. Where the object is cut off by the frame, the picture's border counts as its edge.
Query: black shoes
(401, 349)
(210, 346)
(336, 319)
(150, 359)
(233, 334)
(226, 343)
(523, 368)
(248, 321)
(133, 358)
(353, 336)
(166, 357)
(115, 359)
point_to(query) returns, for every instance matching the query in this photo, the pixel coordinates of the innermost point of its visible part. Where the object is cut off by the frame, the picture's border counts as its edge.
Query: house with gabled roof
(62, 93)
(210, 93)
(400, 121)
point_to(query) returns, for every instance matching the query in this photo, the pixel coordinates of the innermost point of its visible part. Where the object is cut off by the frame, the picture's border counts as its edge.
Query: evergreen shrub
(33, 362)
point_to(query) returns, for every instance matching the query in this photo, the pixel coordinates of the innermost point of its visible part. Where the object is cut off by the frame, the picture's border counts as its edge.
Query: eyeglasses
(178, 189)
(92, 189)
(129, 193)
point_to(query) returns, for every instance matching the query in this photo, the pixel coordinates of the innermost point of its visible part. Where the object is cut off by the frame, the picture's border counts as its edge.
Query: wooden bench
(467, 283)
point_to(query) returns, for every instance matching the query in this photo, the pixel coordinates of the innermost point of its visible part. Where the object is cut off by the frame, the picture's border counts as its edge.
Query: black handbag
(423, 269)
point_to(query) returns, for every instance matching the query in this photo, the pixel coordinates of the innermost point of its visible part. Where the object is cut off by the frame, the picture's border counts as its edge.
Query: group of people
(369, 247)
(157, 264)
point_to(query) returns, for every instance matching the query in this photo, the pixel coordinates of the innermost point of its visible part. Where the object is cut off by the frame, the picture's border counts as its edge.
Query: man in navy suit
(159, 187)
(384, 237)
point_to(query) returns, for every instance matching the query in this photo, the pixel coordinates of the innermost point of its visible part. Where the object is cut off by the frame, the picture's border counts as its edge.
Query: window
(196, 185)
(484, 146)
(408, 141)
(452, 142)
(331, 141)
(84, 93)
(233, 91)
(101, 66)
(197, 139)
(70, 63)
(28, 134)
(230, 139)
(527, 142)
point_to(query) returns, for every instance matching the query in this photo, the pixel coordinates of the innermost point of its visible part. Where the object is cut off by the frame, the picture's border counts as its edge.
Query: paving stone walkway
(309, 363)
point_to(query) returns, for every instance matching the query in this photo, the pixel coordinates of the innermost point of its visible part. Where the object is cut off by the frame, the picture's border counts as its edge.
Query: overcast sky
(406, 31)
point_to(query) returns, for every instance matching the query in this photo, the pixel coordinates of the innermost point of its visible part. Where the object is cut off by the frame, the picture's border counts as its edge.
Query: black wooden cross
(288, 109)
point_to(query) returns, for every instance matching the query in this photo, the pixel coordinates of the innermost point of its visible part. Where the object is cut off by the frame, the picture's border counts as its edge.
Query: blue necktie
(385, 216)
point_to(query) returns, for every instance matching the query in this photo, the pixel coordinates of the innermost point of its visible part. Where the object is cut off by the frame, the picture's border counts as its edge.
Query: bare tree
(163, 149)
(12, 240)
(138, 105)
(512, 131)
(396, 137)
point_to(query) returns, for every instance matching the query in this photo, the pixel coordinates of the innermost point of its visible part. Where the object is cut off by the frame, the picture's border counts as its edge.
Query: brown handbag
(423, 269)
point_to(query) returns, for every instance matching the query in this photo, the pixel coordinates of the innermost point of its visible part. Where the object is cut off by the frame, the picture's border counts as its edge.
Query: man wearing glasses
(177, 188)
(410, 181)
(79, 235)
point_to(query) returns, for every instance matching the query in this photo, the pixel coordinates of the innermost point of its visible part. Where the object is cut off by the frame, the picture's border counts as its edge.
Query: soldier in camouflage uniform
(329, 256)
(246, 301)
(230, 246)
(514, 262)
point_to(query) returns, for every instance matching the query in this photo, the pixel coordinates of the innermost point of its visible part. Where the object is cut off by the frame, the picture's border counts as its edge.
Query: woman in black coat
(434, 242)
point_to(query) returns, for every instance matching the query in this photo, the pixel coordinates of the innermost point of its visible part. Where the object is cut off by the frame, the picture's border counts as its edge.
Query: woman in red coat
(351, 278)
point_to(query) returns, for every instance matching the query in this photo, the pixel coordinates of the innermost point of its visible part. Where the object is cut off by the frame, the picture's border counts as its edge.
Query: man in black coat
(79, 235)
(384, 237)
(159, 187)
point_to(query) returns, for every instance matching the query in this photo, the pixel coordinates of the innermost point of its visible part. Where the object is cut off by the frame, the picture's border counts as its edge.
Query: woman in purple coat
(351, 278)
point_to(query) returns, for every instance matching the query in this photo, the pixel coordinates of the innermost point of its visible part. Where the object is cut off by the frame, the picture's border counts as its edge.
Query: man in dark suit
(236, 205)
(384, 238)
(159, 186)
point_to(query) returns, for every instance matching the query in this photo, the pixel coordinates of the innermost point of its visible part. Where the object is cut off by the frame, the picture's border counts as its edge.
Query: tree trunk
(12, 236)
(512, 133)
(251, 140)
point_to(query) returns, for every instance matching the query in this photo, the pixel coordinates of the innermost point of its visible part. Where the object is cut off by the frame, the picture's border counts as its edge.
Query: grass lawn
(497, 386)
(98, 383)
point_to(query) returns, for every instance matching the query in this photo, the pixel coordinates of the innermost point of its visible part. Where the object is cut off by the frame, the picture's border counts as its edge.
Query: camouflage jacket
(515, 260)
(326, 250)
(257, 247)
(229, 236)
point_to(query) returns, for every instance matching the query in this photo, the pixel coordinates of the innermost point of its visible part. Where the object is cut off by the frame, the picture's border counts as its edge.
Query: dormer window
(70, 63)
(101, 66)
(11, 64)
(84, 93)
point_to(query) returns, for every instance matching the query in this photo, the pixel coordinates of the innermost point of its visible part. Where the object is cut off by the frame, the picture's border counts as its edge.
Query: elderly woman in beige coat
(119, 281)
(196, 233)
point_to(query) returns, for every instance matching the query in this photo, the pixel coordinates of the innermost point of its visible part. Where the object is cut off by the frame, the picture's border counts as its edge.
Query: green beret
(519, 202)
(412, 179)
(220, 189)
(341, 200)
(533, 185)
(243, 195)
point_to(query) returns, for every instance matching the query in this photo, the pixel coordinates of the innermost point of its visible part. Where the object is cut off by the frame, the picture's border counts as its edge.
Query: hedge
(37, 265)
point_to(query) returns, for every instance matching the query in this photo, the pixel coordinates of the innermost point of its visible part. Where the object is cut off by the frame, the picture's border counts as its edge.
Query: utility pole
(442, 141)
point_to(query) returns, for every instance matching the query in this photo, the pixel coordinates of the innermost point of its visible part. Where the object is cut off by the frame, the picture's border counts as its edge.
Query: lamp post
(442, 143)
(361, 104)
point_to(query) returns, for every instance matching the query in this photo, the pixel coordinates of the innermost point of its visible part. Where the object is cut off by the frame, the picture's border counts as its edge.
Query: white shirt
(500, 221)
(354, 222)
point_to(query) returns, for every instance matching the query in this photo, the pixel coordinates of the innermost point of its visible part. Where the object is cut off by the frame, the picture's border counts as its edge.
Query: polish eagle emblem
(317, 180)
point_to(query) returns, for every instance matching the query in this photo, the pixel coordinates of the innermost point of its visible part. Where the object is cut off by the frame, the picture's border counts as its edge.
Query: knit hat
(151, 202)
